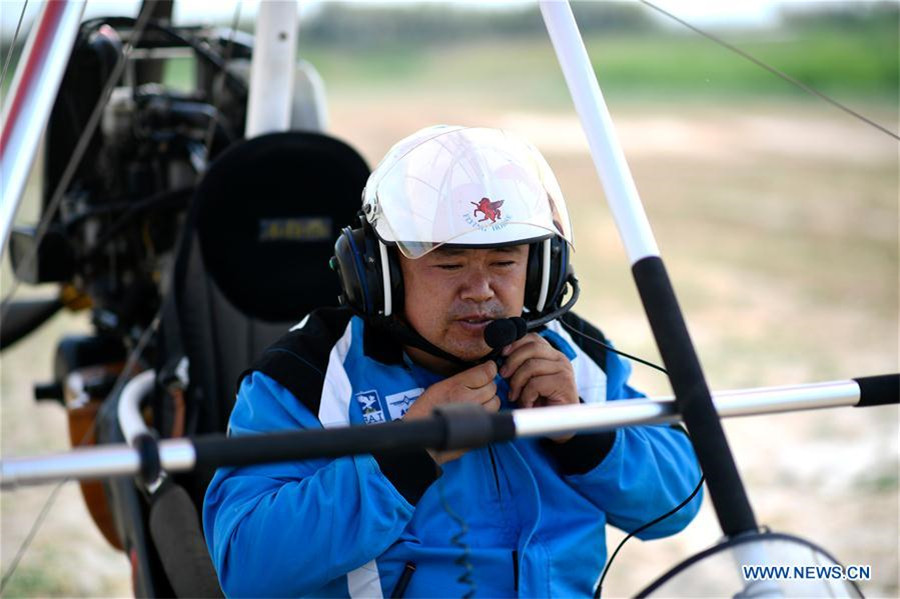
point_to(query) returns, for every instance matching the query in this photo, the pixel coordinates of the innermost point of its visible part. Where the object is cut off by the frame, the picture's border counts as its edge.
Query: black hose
(23, 316)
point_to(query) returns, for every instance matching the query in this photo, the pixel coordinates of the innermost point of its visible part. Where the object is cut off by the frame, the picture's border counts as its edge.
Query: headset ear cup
(396, 274)
(359, 264)
(560, 270)
(350, 270)
(372, 261)
(533, 275)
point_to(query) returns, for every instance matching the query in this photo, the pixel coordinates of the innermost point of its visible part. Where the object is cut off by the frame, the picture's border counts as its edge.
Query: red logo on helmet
(490, 210)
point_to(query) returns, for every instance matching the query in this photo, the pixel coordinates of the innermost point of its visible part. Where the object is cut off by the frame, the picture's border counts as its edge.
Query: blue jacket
(527, 516)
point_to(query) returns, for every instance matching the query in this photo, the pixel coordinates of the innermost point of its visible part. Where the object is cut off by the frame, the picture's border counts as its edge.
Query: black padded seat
(252, 262)
(254, 257)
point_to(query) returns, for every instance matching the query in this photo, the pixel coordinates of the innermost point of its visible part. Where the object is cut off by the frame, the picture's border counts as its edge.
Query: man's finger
(526, 340)
(538, 387)
(530, 368)
(527, 352)
(492, 404)
(479, 376)
(485, 393)
(479, 395)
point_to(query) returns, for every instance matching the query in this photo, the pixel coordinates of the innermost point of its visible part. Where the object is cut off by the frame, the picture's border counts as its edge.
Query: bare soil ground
(779, 225)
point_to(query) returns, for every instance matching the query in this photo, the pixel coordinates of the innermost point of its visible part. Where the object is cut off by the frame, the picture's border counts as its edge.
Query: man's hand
(475, 385)
(539, 375)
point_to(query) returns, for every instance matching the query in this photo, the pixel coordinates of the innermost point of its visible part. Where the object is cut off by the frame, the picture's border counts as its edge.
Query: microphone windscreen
(504, 331)
(521, 326)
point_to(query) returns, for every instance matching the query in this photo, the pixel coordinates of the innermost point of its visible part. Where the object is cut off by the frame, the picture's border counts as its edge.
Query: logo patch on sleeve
(398, 403)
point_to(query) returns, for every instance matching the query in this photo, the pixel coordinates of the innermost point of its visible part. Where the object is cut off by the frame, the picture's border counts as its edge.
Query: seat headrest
(266, 216)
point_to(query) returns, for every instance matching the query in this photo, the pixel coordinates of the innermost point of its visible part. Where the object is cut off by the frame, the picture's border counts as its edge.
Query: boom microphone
(504, 331)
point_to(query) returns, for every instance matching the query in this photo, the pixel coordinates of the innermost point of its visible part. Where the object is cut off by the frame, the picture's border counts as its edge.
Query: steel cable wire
(130, 363)
(12, 45)
(219, 84)
(77, 154)
(746, 55)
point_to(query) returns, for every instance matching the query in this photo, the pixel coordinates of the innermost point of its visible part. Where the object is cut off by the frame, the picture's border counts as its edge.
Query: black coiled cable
(463, 560)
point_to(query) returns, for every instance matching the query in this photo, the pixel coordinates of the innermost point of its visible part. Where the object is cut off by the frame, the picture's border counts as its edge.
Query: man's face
(451, 295)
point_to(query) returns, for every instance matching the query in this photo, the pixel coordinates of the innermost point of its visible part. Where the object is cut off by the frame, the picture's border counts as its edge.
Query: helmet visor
(465, 187)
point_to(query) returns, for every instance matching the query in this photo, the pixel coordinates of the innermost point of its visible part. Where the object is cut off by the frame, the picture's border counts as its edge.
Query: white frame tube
(178, 455)
(129, 408)
(272, 68)
(745, 402)
(609, 158)
(26, 111)
(102, 461)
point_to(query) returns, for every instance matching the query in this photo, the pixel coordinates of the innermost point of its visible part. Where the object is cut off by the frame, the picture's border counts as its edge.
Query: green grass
(36, 581)
(827, 60)
(784, 261)
(858, 64)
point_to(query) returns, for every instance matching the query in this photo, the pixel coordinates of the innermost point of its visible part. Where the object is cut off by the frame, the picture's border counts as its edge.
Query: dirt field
(779, 225)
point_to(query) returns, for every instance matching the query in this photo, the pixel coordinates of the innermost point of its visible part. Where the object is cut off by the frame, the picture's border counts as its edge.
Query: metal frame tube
(128, 410)
(272, 68)
(178, 455)
(78, 463)
(104, 461)
(729, 404)
(694, 401)
(609, 158)
(39, 74)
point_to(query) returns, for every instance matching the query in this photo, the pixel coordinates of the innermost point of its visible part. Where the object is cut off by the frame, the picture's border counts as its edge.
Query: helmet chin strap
(405, 334)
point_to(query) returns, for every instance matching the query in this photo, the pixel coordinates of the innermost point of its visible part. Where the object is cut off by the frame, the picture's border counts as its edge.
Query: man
(462, 227)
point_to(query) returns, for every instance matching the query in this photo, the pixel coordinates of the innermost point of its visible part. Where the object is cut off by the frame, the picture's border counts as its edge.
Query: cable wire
(35, 526)
(771, 69)
(674, 510)
(219, 84)
(462, 560)
(642, 528)
(77, 154)
(130, 363)
(12, 45)
(611, 348)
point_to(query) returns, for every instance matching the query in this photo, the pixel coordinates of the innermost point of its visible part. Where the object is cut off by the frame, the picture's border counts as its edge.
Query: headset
(372, 283)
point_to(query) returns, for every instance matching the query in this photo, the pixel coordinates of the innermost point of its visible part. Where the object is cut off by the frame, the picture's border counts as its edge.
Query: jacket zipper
(515, 557)
(403, 581)
(494, 470)
(515, 554)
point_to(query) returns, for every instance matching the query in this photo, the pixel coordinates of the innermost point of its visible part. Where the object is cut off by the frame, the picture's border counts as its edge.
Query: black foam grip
(692, 396)
(20, 317)
(468, 425)
(504, 427)
(214, 451)
(175, 528)
(878, 390)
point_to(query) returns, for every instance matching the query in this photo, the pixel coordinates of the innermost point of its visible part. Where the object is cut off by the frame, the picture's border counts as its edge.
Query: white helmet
(467, 187)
